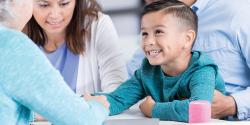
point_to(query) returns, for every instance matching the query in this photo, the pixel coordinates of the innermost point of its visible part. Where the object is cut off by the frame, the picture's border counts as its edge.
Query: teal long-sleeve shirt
(29, 82)
(171, 94)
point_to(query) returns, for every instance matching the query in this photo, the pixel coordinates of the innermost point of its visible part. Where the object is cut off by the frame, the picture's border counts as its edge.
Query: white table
(136, 114)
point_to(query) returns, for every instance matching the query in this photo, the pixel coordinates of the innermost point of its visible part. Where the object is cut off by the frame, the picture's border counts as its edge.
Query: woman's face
(54, 15)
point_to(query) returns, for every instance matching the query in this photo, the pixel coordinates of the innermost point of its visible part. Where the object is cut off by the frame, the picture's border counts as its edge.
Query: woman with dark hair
(81, 42)
(24, 81)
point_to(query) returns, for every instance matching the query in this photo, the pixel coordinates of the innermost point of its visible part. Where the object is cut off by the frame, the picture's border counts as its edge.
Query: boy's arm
(201, 86)
(126, 95)
(28, 78)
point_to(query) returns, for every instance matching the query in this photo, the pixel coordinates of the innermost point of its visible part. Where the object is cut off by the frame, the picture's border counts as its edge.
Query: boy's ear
(190, 36)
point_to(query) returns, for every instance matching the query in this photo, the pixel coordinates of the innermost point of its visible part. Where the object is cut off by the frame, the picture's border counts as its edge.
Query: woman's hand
(101, 99)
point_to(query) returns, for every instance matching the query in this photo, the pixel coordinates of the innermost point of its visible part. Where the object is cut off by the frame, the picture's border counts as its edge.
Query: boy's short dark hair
(177, 9)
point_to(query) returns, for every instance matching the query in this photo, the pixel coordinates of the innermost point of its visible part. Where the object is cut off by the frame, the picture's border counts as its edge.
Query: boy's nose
(150, 41)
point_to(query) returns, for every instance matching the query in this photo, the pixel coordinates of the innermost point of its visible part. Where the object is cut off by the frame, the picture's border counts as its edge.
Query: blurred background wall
(125, 15)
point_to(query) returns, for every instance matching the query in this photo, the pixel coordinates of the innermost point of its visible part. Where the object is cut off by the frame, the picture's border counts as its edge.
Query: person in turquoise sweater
(171, 76)
(28, 81)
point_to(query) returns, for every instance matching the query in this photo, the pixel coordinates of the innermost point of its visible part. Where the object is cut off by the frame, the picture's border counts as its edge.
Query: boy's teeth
(153, 52)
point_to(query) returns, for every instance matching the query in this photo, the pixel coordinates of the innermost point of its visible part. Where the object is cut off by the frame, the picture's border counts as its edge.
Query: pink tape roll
(199, 111)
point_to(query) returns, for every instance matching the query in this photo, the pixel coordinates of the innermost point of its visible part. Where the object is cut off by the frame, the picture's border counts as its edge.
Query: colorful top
(171, 94)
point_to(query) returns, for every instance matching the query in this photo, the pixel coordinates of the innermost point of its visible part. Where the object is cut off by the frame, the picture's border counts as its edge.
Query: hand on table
(222, 105)
(147, 106)
(101, 99)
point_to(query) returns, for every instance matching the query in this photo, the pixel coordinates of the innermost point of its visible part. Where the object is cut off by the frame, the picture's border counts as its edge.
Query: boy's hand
(223, 105)
(101, 99)
(147, 106)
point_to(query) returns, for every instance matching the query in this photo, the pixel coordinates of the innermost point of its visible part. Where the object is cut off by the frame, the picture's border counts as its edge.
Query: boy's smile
(152, 52)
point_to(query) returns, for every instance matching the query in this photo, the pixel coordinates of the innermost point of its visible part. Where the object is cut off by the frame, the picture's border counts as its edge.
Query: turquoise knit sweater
(29, 82)
(171, 94)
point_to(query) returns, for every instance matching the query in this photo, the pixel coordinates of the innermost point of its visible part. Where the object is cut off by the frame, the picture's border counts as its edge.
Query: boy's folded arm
(172, 111)
(126, 95)
(202, 84)
(201, 87)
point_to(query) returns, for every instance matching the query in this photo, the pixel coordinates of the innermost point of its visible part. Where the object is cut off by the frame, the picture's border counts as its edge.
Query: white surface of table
(136, 114)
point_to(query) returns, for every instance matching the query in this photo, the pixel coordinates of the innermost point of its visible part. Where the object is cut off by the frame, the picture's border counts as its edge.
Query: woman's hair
(78, 30)
(181, 11)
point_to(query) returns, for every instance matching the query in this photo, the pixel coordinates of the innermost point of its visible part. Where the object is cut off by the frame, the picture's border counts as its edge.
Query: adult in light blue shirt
(224, 34)
(28, 81)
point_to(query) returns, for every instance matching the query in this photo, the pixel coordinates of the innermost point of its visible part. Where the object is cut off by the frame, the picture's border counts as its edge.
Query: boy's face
(163, 38)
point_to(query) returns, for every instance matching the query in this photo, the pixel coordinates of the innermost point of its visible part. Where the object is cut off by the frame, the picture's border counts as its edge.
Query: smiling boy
(171, 75)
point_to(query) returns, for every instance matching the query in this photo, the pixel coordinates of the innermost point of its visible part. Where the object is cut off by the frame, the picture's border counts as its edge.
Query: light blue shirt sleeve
(135, 62)
(30, 80)
(241, 24)
(225, 36)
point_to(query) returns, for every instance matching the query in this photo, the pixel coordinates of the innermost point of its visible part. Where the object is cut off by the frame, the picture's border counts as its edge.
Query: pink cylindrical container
(199, 111)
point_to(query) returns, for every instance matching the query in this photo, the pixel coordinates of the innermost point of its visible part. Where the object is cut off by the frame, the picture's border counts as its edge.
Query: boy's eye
(44, 5)
(144, 34)
(158, 32)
